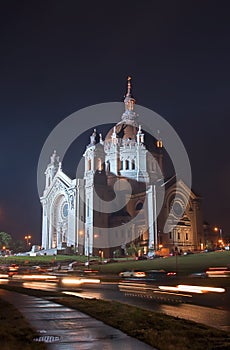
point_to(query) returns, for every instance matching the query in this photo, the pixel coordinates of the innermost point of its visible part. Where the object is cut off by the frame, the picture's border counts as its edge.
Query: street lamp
(28, 238)
(218, 229)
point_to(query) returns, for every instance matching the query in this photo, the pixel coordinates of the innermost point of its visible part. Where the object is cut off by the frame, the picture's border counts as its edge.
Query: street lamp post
(221, 234)
(218, 229)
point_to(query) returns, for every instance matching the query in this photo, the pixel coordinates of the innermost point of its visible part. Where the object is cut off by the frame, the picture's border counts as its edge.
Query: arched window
(88, 207)
(139, 206)
(89, 164)
(99, 164)
(108, 166)
(133, 164)
(126, 164)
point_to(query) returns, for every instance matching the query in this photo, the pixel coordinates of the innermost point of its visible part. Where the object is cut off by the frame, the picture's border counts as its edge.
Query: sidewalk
(64, 328)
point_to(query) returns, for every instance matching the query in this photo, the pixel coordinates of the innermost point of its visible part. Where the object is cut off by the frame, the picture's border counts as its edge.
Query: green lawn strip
(15, 331)
(160, 331)
(183, 264)
(40, 260)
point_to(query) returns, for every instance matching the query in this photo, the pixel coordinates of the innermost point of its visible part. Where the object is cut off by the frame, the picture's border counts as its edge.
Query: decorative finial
(93, 137)
(140, 135)
(53, 157)
(159, 142)
(129, 86)
(114, 135)
(129, 100)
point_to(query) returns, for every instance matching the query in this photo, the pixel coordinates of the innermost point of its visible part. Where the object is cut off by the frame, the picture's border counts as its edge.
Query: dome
(123, 131)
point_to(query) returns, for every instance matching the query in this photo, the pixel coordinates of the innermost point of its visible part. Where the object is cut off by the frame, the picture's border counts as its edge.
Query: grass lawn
(160, 331)
(183, 264)
(40, 260)
(15, 332)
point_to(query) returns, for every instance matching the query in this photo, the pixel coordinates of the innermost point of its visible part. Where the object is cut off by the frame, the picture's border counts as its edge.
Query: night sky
(60, 56)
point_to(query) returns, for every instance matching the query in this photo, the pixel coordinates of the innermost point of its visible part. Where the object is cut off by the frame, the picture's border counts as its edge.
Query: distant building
(69, 215)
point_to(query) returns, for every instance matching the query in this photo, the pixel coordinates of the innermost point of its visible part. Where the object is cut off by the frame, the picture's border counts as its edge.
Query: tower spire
(129, 100)
(128, 94)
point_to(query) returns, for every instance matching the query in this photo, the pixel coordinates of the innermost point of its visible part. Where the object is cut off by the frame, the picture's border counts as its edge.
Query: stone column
(150, 217)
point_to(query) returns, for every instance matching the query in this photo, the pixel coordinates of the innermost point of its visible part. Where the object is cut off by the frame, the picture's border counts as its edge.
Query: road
(212, 310)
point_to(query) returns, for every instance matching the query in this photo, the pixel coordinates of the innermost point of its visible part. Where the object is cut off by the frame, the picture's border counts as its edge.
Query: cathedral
(114, 205)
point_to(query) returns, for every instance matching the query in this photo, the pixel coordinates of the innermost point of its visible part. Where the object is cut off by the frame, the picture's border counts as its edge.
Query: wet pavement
(63, 328)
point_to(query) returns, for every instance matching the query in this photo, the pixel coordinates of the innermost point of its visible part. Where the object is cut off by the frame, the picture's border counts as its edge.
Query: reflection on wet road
(211, 317)
(219, 318)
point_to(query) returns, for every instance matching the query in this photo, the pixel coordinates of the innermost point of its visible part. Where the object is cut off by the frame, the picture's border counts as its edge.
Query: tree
(18, 246)
(5, 239)
(134, 249)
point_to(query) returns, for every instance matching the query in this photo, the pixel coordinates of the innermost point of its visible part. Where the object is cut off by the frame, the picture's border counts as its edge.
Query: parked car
(75, 265)
(108, 261)
(198, 275)
(154, 275)
(188, 252)
(142, 257)
(132, 273)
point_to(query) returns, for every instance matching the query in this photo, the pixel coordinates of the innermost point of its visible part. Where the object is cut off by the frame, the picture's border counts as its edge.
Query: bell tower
(52, 169)
(94, 163)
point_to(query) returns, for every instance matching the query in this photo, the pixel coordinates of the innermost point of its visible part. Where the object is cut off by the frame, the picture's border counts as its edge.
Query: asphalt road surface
(210, 309)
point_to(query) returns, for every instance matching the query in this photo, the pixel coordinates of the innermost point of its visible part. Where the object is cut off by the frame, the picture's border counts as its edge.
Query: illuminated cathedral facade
(73, 215)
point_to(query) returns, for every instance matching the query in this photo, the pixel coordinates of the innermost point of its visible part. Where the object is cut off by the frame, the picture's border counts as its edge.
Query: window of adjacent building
(170, 235)
(186, 236)
(178, 235)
